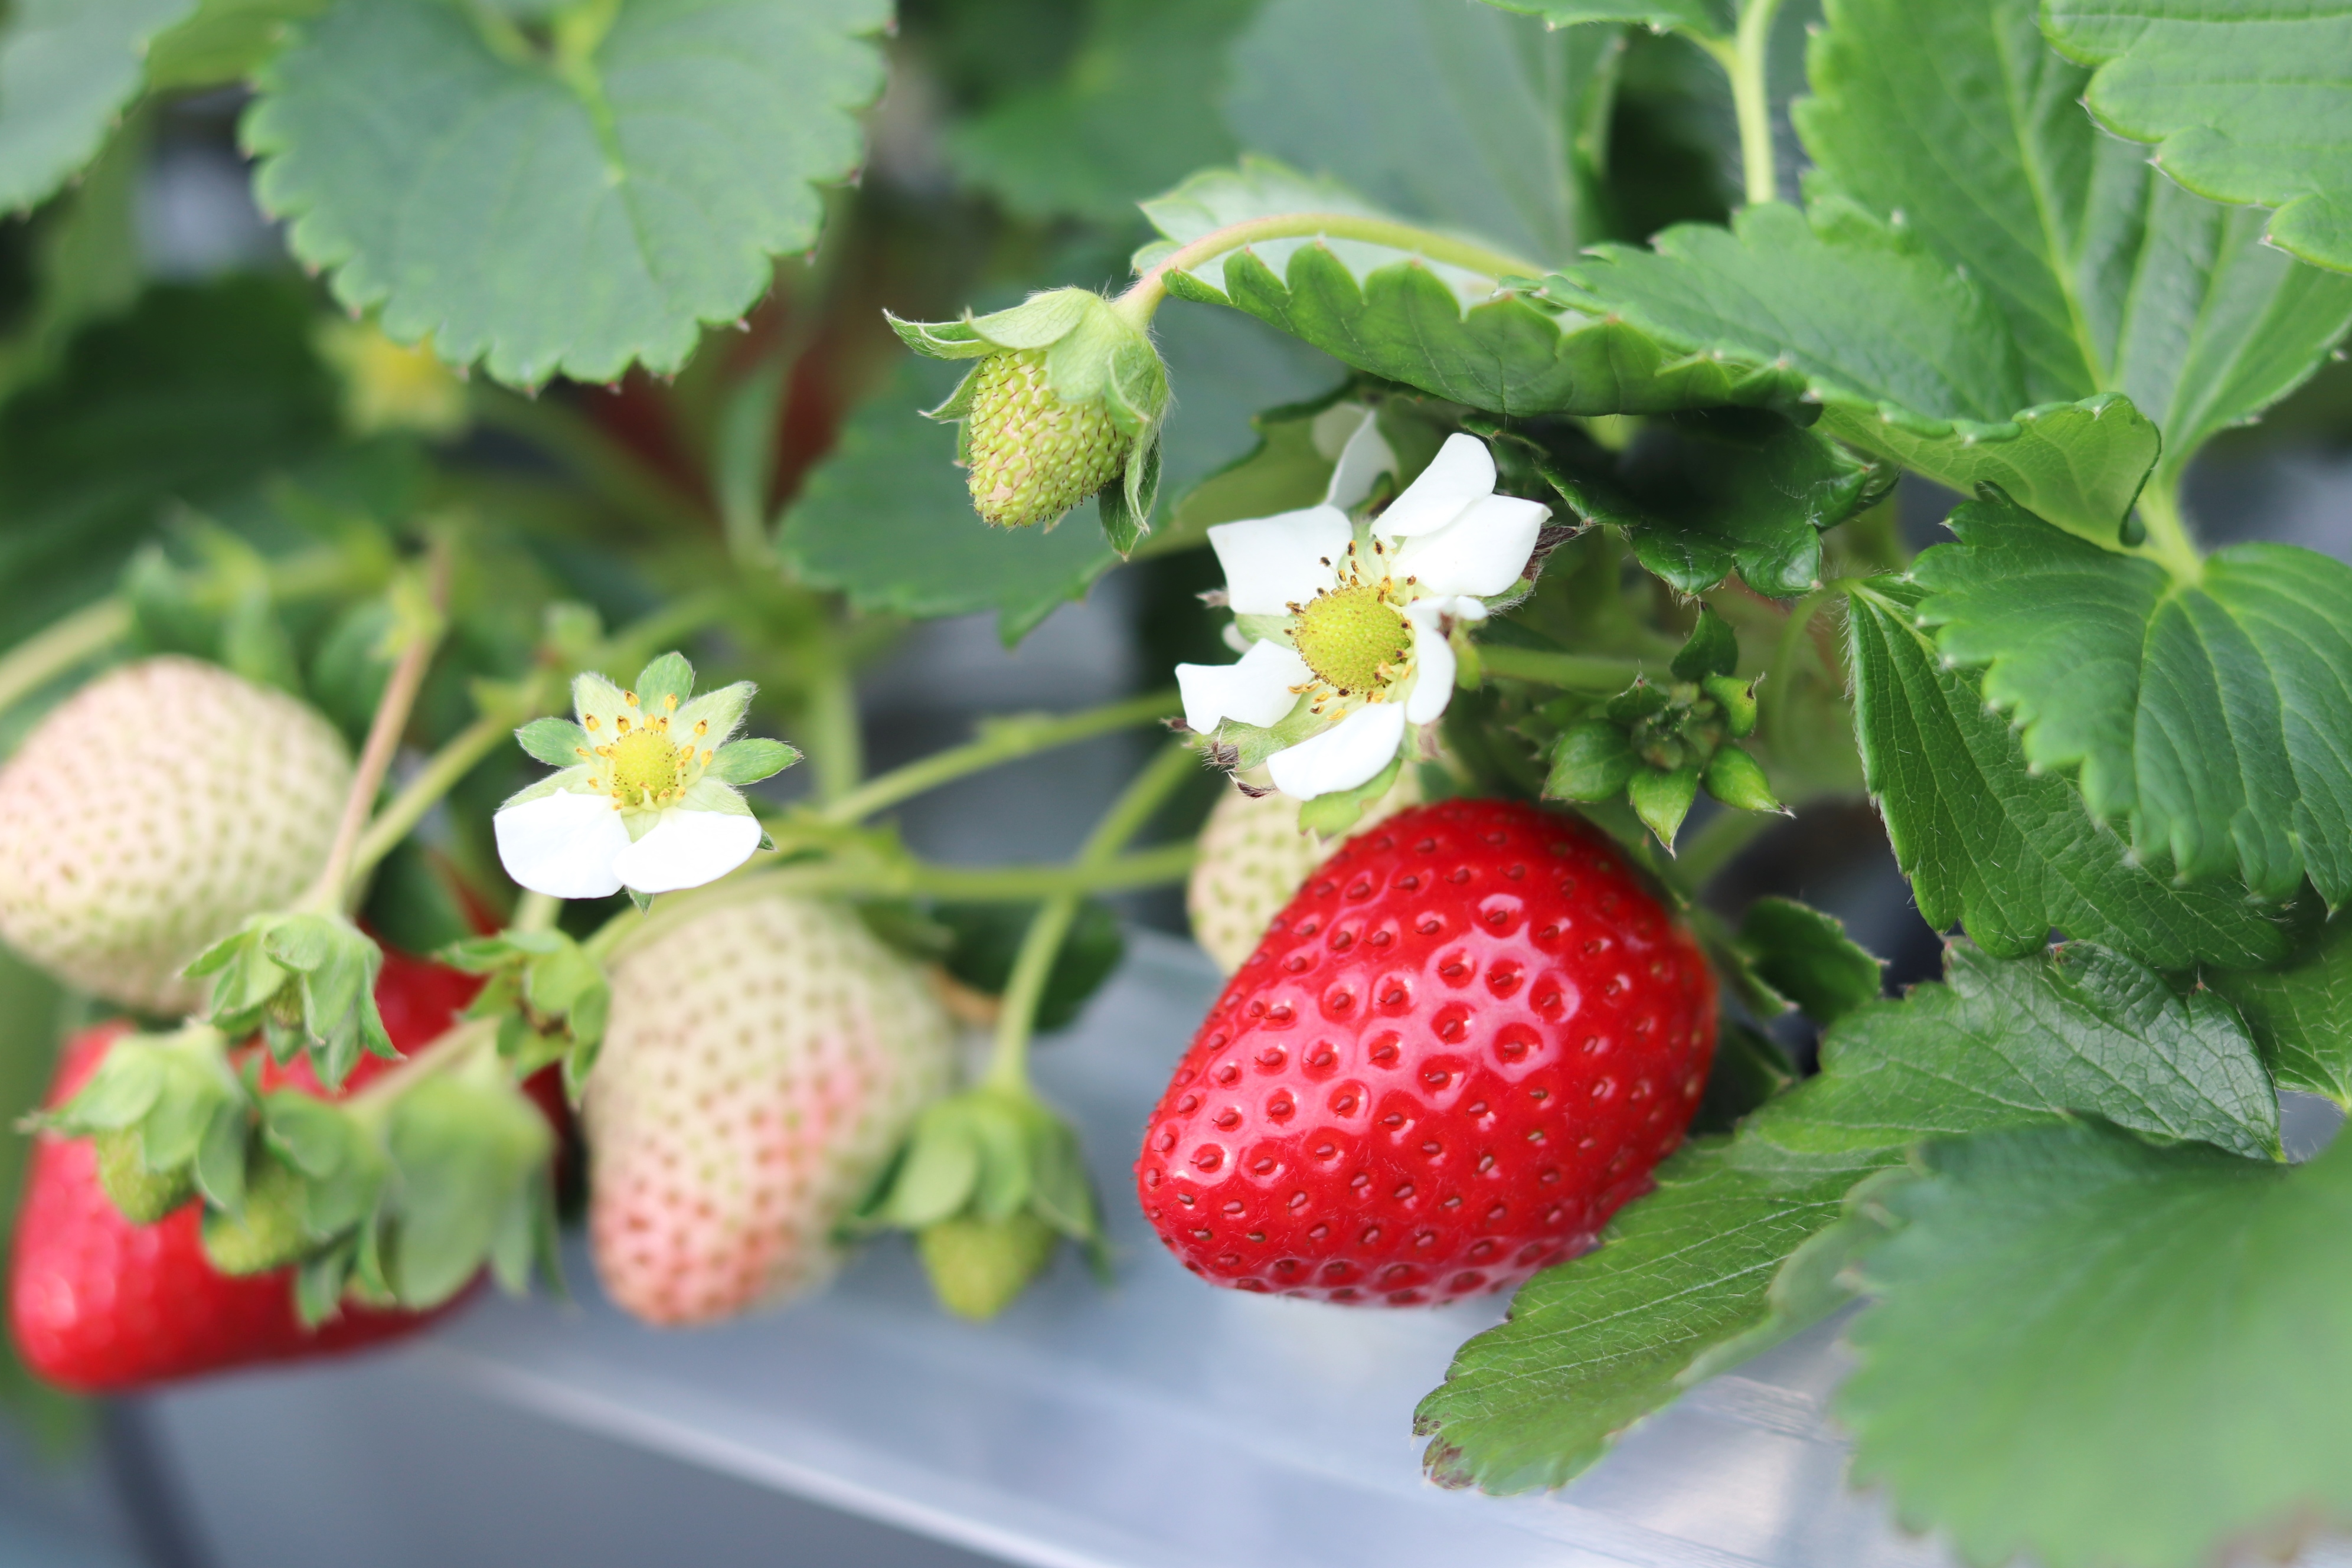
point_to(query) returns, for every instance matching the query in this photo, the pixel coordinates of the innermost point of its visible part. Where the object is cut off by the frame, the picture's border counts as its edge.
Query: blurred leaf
(1749, 1070)
(573, 215)
(2211, 713)
(85, 261)
(1707, 18)
(68, 70)
(1442, 112)
(1986, 842)
(224, 41)
(1134, 110)
(1806, 956)
(2093, 1352)
(2244, 102)
(192, 395)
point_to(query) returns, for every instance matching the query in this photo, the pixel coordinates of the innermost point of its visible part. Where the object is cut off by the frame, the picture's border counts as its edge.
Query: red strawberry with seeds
(98, 1304)
(1466, 1041)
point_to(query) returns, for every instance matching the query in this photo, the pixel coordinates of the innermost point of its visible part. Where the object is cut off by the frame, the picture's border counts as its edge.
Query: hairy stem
(1008, 1067)
(341, 874)
(1746, 58)
(1569, 671)
(1001, 740)
(1144, 297)
(1781, 676)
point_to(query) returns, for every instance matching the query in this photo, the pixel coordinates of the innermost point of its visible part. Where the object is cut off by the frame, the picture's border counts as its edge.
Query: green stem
(1780, 679)
(342, 873)
(2167, 532)
(61, 646)
(899, 878)
(1001, 740)
(1008, 1066)
(836, 747)
(1143, 298)
(1571, 671)
(535, 911)
(1746, 59)
(745, 463)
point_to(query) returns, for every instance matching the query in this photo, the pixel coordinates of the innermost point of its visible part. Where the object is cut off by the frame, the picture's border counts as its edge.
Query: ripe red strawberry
(99, 1304)
(1464, 1044)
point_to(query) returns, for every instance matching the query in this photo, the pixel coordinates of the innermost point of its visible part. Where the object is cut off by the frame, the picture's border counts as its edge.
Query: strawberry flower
(646, 798)
(1348, 628)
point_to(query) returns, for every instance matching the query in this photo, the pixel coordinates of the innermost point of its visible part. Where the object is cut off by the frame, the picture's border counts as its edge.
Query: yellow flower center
(1353, 638)
(646, 769)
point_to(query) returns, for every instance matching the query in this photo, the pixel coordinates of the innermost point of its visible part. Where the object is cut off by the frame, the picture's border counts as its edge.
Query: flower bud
(1066, 403)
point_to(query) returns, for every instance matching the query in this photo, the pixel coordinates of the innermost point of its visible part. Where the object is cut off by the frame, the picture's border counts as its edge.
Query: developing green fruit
(1253, 859)
(978, 1265)
(1032, 456)
(143, 1195)
(147, 815)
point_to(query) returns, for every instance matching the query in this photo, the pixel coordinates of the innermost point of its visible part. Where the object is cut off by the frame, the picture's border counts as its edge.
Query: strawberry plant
(1538, 448)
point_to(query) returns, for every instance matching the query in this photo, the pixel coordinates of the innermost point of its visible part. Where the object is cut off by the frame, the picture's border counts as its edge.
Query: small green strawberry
(1254, 858)
(978, 1265)
(761, 1063)
(151, 813)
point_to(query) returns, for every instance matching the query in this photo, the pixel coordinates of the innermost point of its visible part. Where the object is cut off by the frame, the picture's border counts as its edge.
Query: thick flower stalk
(1352, 632)
(1067, 398)
(647, 796)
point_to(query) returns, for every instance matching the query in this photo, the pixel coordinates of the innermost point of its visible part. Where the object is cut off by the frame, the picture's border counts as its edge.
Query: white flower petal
(1462, 472)
(1348, 754)
(562, 845)
(1273, 563)
(1363, 460)
(688, 848)
(1432, 677)
(1256, 691)
(1481, 554)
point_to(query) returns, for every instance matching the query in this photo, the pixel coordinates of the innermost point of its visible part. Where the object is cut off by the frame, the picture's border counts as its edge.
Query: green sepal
(558, 743)
(751, 760)
(1737, 780)
(1737, 698)
(552, 999)
(940, 340)
(662, 680)
(467, 1147)
(1712, 649)
(1638, 701)
(1662, 799)
(307, 981)
(1592, 761)
(173, 1116)
(1337, 813)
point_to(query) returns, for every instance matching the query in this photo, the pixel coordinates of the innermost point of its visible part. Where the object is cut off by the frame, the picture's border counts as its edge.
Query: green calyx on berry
(987, 1181)
(1066, 403)
(550, 997)
(171, 1118)
(306, 981)
(1659, 746)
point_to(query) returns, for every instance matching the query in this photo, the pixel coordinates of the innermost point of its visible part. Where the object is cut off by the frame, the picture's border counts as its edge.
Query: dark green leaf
(1990, 844)
(2246, 104)
(573, 219)
(2212, 713)
(1683, 1281)
(1136, 109)
(2091, 1352)
(1748, 1070)
(2301, 1014)
(1906, 355)
(2112, 278)
(1806, 956)
(68, 70)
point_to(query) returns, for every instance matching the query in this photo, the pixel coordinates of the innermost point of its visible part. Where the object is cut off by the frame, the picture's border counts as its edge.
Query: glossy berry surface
(1466, 1041)
(98, 1304)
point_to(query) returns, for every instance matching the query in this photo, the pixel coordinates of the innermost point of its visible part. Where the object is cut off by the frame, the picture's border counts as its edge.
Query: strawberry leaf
(2111, 278)
(2246, 104)
(2211, 713)
(1805, 955)
(68, 70)
(2091, 1352)
(1681, 1285)
(1707, 19)
(575, 213)
(1988, 843)
(1907, 356)
(2301, 1014)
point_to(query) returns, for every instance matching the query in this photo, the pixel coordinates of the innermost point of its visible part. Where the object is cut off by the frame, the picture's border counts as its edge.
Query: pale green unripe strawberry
(147, 815)
(1253, 858)
(762, 1063)
(1032, 456)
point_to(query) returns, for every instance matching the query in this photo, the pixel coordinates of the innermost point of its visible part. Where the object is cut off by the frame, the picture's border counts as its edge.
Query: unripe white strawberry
(1253, 858)
(147, 815)
(762, 1062)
